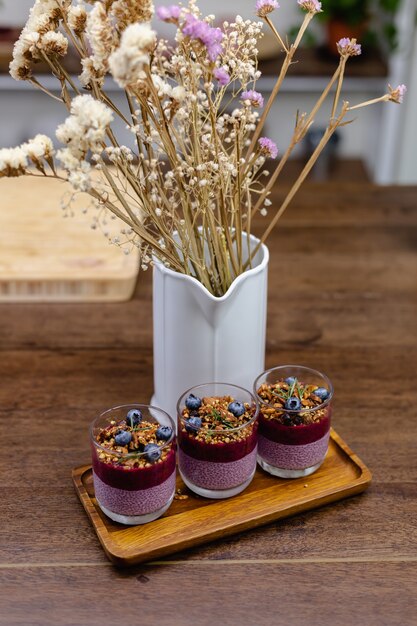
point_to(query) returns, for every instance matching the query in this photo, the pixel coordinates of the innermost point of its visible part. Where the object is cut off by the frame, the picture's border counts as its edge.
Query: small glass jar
(294, 424)
(218, 462)
(134, 487)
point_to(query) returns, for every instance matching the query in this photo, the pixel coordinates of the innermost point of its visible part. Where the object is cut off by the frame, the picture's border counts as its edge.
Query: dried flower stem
(276, 33)
(305, 172)
(342, 66)
(284, 69)
(384, 98)
(299, 132)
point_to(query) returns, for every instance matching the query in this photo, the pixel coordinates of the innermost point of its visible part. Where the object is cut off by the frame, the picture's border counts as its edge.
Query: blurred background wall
(382, 138)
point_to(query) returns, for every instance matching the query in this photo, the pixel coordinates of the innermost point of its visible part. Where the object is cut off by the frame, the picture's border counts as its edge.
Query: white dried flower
(85, 129)
(162, 87)
(20, 69)
(38, 148)
(101, 37)
(68, 159)
(179, 93)
(13, 161)
(54, 43)
(140, 36)
(80, 179)
(127, 62)
(127, 12)
(77, 18)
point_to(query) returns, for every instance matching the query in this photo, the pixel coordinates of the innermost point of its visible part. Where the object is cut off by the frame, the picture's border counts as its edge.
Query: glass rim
(122, 455)
(229, 430)
(300, 367)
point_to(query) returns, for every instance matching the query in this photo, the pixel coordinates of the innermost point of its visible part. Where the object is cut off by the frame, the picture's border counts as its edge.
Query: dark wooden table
(343, 298)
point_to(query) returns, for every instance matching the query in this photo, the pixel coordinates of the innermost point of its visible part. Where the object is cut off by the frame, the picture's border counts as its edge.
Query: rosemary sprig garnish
(300, 390)
(281, 396)
(136, 429)
(221, 419)
(291, 391)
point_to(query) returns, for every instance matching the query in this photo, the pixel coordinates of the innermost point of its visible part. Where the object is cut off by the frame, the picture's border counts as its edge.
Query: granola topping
(216, 418)
(292, 403)
(144, 447)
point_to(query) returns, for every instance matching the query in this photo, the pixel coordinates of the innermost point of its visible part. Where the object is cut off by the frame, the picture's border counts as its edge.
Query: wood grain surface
(44, 257)
(342, 298)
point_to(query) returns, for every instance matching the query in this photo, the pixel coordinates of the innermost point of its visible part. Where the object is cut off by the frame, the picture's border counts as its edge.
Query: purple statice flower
(210, 37)
(254, 97)
(397, 94)
(312, 6)
(348, 47)
(169, 14)
(268, 148)
(264, 7)
(222, 76)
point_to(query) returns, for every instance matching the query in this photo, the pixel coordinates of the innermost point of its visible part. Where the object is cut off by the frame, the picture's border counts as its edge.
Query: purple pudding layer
(217, 452)
(294, 435)
(217, 475)
(132, 478)
(138, 502)
(293, 457)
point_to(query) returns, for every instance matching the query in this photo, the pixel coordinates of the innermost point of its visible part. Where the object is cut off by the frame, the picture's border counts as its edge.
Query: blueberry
(134, 417)
(152, 452)
(291, 380)
(123, 438)
(164, 433)
(297, 420)
(236, 408)
(321, 393)
(193, 425)
(287, 420)
(192, 402)
(293, 404)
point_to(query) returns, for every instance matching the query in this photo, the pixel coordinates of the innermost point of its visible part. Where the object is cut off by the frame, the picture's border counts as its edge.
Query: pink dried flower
(268, 148)
(348, 47)
(264, 7)
(210, 37)
(221, 76)
(169, 14)
(397, 94)
(312, 6)
(253, 97)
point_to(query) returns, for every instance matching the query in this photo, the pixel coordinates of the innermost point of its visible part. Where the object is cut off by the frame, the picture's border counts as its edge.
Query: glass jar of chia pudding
(133, 455)
(217, 439)
(294, 420)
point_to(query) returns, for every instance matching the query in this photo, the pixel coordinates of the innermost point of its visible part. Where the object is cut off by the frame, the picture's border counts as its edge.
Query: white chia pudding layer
(139, 502)
(213, 475)
(291, 456)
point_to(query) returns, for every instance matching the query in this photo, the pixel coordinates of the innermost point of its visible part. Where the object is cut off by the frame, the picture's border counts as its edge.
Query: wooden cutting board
(47, 257)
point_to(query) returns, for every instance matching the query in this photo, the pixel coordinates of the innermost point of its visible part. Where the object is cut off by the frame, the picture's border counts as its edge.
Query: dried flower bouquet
(190, 184)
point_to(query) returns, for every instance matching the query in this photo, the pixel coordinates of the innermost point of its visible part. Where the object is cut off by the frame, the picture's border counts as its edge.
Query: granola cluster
(138, 452)
(216, 419)
(292, 402)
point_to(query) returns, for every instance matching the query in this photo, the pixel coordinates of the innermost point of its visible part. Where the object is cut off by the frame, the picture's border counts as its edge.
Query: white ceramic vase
(199, 338)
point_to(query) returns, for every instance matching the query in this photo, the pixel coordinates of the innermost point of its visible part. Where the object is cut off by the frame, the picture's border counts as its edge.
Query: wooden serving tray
(195, 520)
